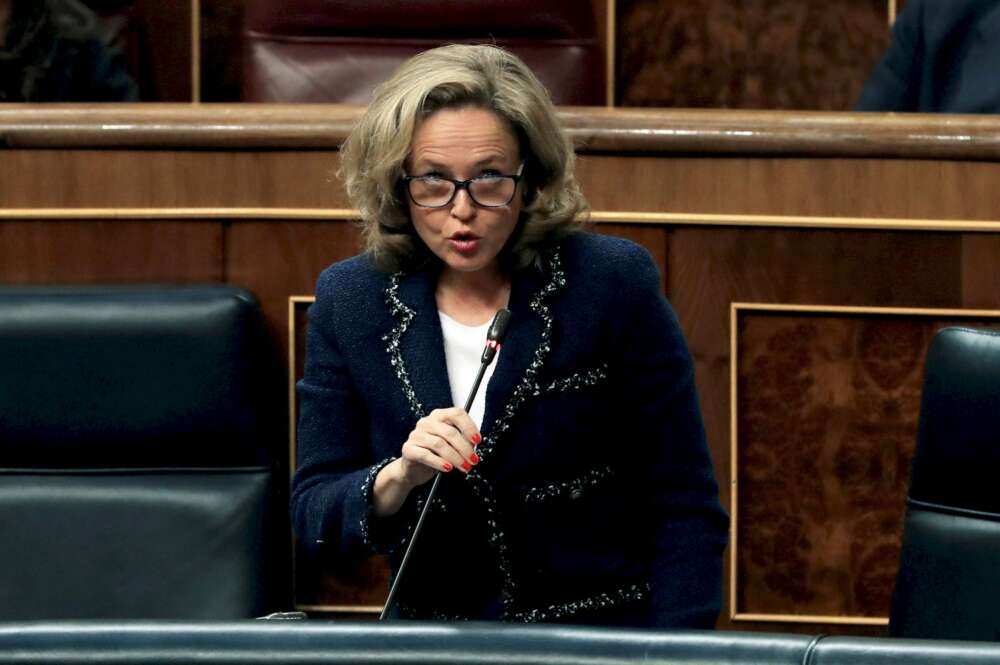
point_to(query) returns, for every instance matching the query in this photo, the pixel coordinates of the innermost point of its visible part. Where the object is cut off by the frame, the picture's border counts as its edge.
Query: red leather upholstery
(339, 50)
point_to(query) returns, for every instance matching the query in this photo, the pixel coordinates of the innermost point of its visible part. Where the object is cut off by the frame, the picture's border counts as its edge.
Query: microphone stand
(493, 338)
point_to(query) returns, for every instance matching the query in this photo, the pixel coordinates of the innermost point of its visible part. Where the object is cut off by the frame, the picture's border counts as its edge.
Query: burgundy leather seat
(339, 50)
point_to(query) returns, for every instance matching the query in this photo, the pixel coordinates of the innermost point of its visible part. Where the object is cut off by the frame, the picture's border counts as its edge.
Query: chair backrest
(949, 578)
(339, 50)
(138, 462)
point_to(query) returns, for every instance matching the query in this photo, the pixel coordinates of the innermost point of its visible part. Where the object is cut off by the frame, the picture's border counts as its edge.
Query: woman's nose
(462, 206)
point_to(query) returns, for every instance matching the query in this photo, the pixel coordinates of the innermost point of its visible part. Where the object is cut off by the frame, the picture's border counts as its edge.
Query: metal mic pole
(493, 341)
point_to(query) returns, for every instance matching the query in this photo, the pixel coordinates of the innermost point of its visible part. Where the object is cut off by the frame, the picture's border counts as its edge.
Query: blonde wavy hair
(457, 76)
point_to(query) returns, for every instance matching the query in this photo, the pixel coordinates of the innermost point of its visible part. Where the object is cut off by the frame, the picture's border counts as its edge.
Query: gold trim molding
(734, 311)
(345, 609)
(293, 303)
(597, 216)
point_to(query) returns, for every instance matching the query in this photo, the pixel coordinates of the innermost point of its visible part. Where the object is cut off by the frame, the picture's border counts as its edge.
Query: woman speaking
(578, 486)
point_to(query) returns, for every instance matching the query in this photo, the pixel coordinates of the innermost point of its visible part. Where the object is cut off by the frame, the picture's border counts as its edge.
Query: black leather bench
(293, 642)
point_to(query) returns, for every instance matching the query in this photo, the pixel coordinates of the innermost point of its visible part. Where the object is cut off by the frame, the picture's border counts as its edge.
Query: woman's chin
(470, 264)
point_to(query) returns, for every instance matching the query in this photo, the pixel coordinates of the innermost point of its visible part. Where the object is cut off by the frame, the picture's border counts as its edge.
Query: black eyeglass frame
(464, 184)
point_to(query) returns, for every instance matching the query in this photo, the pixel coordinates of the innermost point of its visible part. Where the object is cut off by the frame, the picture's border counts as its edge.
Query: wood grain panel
(812, 55)
(827, 412)
(923, 189)
(278, 260)
(100, 252)
(774, 54)
(138, 179)
(981, 271)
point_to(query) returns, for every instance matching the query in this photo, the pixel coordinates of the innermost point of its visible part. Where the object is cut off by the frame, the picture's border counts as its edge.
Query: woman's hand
(443, 440)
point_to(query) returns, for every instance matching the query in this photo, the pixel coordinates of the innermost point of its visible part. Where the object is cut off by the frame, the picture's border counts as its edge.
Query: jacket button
(576, 494)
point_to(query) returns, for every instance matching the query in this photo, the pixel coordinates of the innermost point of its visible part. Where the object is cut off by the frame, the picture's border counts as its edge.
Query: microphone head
(495, 335)
(499, 326)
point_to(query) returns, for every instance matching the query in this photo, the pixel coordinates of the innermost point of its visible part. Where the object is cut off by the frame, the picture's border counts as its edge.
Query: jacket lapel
(421, 344)
(523, 336)
(420, 362)
(527, 348)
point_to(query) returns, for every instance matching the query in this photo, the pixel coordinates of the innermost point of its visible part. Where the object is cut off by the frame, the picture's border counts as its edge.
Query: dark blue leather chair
(140, 466)
(948, 583)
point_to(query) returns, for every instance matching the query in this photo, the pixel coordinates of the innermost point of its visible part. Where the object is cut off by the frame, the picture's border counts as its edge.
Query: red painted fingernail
(448, 467)
(476, 438)
(474, 458)
(466, 466)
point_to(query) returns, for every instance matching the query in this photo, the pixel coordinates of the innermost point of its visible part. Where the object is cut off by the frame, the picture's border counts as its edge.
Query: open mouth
(464, 242)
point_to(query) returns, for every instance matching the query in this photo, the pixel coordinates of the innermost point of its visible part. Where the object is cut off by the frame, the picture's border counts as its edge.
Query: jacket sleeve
(331, 501)
(894, 83)
(672, 465)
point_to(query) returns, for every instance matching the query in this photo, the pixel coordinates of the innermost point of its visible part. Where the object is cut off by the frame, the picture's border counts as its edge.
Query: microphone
(494, 339)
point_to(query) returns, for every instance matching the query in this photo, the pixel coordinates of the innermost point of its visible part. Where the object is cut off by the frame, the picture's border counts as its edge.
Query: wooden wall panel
(100, 252)
(755, 54)
(827, 411)
(279, 260)
(980, 271)
(166, 179)
(868, 188)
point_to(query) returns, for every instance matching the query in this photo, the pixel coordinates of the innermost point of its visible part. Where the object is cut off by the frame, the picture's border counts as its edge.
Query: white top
(463, 352)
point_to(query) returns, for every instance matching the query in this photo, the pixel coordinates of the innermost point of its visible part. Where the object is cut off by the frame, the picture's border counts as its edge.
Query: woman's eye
(490, 173)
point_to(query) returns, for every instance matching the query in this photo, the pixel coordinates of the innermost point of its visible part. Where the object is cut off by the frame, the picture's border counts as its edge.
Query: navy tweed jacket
(595, 500)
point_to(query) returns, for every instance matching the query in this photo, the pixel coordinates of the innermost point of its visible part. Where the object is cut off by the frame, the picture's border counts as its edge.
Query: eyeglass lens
(488, 191)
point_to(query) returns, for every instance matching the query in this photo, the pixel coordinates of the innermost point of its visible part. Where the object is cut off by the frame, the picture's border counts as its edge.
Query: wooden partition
(809, 257)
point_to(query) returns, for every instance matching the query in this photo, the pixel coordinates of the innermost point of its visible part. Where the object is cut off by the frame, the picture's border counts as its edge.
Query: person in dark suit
(942, 59)
(578, 487)
(50, 52)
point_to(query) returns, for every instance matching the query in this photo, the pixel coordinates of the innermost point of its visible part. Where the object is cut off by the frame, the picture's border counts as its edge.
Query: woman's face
(460, 144)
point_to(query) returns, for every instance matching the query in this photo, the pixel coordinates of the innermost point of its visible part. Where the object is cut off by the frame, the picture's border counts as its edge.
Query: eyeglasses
(489, 191)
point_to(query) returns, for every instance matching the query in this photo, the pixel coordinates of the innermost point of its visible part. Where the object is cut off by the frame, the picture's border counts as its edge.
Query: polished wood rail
(594, 130)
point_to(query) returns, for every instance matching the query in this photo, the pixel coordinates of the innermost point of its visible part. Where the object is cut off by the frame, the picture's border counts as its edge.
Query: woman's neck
(472, 298)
